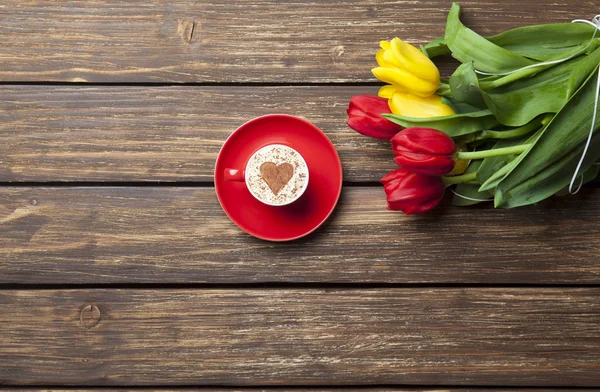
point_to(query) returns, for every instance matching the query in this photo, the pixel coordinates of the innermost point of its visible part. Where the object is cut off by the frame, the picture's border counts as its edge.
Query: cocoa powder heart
(276, 176)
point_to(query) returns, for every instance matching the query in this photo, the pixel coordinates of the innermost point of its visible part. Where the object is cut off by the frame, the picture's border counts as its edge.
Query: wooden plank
(247, 389)
(299, 389)
(180, 235)
(52, 133)
(512, 337)
(232, 41)
(274, 389)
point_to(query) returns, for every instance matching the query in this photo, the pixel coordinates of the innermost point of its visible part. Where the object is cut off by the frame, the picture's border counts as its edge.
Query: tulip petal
(424, 150)
(387, 91)
(381, 61)
(409, 105)
(431, 165)
(405, 80)
(390, 58)
(364, 116)
(395, 174)
(385, 45)
(414, 60)
(423, 140)
(412, 193)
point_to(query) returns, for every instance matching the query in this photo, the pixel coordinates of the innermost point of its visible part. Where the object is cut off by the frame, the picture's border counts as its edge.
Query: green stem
(444, 90)
(460, 179)
(533, 125)
(492, 153)
(516, 132)
(488, 85)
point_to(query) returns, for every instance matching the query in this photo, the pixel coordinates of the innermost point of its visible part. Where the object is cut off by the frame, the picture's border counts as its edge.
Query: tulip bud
(406, 68)
(412, 193)
(424, 150)
(364, 116)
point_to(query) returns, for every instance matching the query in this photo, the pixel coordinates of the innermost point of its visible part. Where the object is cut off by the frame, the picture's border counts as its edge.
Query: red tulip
(412, 193)
(424, 150)
(364, 116)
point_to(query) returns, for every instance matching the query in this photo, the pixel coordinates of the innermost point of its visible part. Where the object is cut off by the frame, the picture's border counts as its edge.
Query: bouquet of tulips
(515, 123)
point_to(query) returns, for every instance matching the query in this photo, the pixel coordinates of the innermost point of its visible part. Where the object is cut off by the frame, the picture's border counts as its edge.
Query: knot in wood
(90, 316)
(185, 29)
(337, 52)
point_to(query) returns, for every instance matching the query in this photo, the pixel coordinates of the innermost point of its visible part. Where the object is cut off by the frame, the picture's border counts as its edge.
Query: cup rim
(246, 174)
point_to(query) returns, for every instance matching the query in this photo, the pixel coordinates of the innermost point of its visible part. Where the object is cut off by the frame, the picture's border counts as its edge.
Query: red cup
(291, 221)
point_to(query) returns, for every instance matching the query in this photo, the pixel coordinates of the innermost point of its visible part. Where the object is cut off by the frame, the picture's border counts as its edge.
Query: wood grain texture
(181, 235)
(356, 388)
(300, 389)
(290, 389)
(232, 40)
(512, 337)
(276, 389)
(52, 133)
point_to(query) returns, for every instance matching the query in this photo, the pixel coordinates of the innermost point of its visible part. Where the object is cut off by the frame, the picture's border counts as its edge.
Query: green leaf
(454, 125)
(458, 106)
(466, 45)
(490, 166)
(553, 178)
(465, 86)
(538, 42)
(588, 176)
(545, 42)
(494, 180)
(546, 92)
(581, 71)
(469, 190)
(563, 135)
(435, 48)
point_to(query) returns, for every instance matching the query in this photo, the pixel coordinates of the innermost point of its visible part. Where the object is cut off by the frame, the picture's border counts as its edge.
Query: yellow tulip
(460, 165)
(387, 91)
(409, 105)
(405, 68)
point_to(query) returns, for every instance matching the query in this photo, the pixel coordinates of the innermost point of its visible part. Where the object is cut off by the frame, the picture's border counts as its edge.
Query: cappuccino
(276, 175)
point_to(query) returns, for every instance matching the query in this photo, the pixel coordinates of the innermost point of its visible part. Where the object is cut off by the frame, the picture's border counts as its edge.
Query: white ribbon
(596, 23)
(587, 143)
(467, 197)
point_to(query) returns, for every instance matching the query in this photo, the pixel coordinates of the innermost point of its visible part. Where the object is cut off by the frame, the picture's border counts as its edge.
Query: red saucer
(305, 214)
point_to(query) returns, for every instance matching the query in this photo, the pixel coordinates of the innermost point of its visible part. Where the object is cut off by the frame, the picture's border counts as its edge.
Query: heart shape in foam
(276, 176)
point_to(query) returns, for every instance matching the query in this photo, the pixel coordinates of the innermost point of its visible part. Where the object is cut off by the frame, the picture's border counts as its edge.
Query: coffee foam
(278, 155)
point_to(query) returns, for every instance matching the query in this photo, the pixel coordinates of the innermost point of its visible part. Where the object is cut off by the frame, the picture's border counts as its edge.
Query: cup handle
(234, 175)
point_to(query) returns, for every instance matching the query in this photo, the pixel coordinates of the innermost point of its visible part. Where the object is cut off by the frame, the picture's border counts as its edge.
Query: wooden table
(118, 268)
